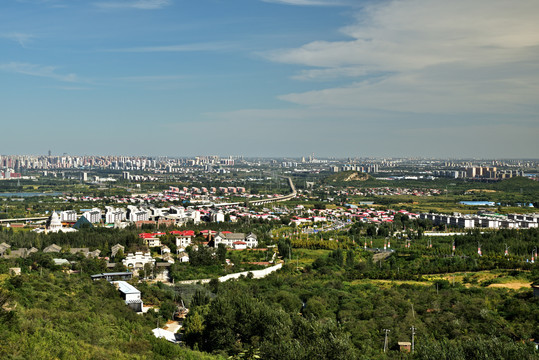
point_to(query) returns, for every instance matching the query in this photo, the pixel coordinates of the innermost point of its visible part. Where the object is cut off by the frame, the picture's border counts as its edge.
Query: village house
(116, 248)
(183, 238)
(183, 257)
(152, 242)
(4, 248)
(52, 248)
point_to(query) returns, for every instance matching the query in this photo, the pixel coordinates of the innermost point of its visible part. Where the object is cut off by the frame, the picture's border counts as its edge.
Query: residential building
(228, 239)
(68, 216)
(52, 248)
(93, 216)
(115, 249)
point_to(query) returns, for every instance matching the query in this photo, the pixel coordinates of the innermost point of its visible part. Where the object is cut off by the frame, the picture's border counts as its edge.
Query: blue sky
(270, 78)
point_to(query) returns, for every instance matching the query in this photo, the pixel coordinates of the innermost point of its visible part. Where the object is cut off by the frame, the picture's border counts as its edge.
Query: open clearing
(512, 285)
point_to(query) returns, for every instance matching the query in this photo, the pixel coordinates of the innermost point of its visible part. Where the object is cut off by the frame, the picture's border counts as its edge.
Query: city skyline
(270, 78)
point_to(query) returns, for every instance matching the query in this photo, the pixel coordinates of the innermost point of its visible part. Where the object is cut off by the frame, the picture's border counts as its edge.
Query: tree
(194, 329)
(350, 261)
(119, 256)
(148, 270)
(200, 298)
(285, 248)
(221, 253)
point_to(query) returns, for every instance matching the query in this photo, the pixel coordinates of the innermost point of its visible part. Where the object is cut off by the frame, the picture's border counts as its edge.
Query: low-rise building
(184, 238)
(115, 249)
(137, 260)
(52, 248)
(130, 294)
(152, 242)
(113, 276)
(228, 239)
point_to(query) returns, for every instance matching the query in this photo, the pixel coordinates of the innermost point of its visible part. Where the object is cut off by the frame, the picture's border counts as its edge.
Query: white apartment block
(93, 216)
(137, 215)
(217, 216)
(511, 221)
(114, 215)
(68, 216)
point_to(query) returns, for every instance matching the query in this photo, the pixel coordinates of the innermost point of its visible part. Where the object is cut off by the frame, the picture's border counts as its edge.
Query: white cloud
(428, 56)
(37, 70)
(21, 38)
(133, 4)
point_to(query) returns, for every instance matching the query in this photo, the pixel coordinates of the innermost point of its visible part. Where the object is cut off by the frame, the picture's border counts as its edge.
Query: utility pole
(413, 333)
(385, 339)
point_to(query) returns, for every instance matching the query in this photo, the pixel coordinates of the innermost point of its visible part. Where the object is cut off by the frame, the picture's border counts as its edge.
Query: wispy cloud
(37, 70)
(435, 56)
(133, 4)
(21, 38)
(176, 48)
(308, 2)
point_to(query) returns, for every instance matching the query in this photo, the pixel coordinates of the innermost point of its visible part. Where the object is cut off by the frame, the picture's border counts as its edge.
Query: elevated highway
(36, 218)
(290, 196)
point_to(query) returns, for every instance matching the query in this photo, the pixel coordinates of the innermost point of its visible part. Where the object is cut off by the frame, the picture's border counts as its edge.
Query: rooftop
(125, 287)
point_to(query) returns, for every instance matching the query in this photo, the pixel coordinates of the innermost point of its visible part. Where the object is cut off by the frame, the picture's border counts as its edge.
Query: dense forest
(60, 316)
(322, 315)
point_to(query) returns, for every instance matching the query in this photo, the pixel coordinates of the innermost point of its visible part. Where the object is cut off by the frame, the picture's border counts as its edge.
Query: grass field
(493, 279)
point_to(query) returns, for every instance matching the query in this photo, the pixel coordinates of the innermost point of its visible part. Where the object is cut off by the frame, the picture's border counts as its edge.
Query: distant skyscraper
(50, 153)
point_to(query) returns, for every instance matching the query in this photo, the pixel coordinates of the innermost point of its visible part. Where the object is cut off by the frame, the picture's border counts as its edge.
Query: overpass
(290, 196)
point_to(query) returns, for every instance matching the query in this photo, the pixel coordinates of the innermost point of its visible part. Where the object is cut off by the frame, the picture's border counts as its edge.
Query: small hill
(347, 176)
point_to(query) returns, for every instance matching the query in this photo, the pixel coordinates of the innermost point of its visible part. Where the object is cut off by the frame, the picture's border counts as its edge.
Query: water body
(29, 194)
